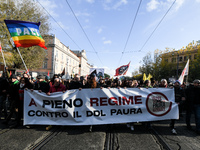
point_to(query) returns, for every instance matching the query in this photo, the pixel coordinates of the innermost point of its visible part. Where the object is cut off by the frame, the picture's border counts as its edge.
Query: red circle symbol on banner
(158, 104)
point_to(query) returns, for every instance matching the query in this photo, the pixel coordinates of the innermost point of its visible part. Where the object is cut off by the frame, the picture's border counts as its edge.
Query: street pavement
(79, 138)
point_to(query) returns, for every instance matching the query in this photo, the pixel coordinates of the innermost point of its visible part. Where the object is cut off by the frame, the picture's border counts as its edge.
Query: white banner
(99, 106)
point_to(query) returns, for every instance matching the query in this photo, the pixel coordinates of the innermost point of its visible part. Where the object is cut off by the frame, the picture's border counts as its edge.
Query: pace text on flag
(25, 34)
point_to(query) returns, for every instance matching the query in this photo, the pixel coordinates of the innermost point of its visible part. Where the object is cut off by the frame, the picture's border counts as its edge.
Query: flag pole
(22, 60)
(3, 57)
(13, 44)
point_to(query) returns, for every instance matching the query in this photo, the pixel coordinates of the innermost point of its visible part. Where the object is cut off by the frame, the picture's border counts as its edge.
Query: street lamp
(72, 72)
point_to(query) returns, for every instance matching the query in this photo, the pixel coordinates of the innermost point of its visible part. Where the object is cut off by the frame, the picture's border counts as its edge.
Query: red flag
(48, 73)
(27, 71)
(0, 47)
(122, 70)
(63, 72)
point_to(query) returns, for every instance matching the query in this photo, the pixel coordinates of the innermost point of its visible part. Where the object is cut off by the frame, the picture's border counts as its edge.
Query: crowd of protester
(12, 94)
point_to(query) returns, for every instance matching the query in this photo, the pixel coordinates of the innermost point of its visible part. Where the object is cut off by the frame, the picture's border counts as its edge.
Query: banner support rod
(3, 57)
(22, 60)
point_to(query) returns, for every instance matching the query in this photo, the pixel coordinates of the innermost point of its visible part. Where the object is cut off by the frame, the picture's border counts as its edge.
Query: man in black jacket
(13, 93)
(42, 85)
(75, 83)
(193, 104)
(4, 86)
(179, 99)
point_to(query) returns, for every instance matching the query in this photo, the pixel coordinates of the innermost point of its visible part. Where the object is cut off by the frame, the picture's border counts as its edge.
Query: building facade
(181, 56)
(60, 59)
(179, 59)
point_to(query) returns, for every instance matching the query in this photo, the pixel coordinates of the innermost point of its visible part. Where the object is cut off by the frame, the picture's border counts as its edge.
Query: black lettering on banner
(78, 102)
(58, 104)
(45, 113)
(112, 111)
(69, 104)
(139, 111)
(76, 114)
(31, 113)
(57, 114)
(39, 113)
(89, 113)
(125, 111)
(64, 114)
(95, 113)
(45, 102)
(62, 103)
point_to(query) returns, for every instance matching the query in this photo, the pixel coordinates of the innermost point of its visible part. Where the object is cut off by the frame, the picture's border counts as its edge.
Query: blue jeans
(197, 116)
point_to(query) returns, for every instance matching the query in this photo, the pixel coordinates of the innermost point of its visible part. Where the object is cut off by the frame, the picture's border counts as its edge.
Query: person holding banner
(56, 87)
(75, 83)
(24, 85)
(92, 84)
(147, 84)
(42, 85)
(163, 83)
(179, 99)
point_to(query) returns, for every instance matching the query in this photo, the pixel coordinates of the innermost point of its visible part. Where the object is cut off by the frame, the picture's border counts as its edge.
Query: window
(173, 60)
(57, 54)
(46, 52)
(181, 58)
(185, 58)
(44, 66)
(66, 59)
(195, 56)
(56, 66)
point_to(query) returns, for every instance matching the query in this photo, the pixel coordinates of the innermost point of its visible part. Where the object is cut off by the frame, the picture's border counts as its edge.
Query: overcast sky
(105, 28)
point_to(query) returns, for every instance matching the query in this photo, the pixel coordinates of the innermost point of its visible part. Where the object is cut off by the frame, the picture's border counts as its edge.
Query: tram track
(160, 139)
(112, 141)
(49, 135)
(2, 131)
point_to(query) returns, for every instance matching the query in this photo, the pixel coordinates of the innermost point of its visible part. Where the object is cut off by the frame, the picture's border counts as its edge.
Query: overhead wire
(84, 31)
(130, 30)
(59, 25)
(157, 26)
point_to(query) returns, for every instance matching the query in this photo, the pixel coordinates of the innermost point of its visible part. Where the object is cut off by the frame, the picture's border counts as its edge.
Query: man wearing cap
(42, 85)
(193, 104)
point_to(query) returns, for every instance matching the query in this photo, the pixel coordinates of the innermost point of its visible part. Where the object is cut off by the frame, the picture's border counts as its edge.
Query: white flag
(184, 72)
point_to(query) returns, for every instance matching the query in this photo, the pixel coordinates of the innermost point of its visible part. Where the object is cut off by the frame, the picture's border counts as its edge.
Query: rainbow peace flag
(25, 34)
